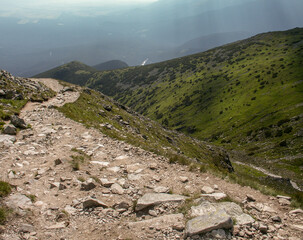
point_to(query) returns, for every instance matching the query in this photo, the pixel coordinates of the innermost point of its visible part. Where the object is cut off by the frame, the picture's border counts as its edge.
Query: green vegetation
(74, 72)
(244, 96)
(5, 189)
(123, 124)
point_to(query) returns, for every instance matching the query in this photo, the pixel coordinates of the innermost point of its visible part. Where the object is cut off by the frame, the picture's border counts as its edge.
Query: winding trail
(39, 165)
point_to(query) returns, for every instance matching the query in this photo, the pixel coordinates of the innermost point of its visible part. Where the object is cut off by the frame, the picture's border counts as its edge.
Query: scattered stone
(117, 189)
(161, 189)
(276, 219)
(26, 228)
(263, 228)
(58, 162)
(7, 138)
(207, 190)
(18, 122)
(108, 108)
(163, 222)
(152, 199)
(284, 202)
(208, 222)
(19, 201)
(103, 164)
(58, 185)
(153, 166)
(106, 183)
(296, 211)
(88, 185)
(9, 129)
(284, 197)
(60, 225)
(250, 198)
(93, 203)
(216, 196)
(184, 179)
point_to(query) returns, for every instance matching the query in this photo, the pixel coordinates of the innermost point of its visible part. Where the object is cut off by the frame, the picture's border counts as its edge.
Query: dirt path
(40, 165)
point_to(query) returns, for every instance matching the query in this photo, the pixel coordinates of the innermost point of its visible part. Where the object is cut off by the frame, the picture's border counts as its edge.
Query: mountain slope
(111, 65)
(75, 72)
(229, 95)
(83, 184)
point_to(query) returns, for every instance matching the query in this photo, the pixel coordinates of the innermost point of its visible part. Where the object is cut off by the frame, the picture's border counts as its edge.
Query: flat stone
(106, 183)
(114, 169)
(161, 189)
(26, 228)
(152, 199)
(284, 202)
(117, 189)
(102, 164)
(18, 200)
(7, 138)
(167, 221)
(93, 203)
(207, 190)
(232, 209)
(134, 177)
(208, 222)
(296, 211)
(60, 225)
(216, 196)
(284, 197)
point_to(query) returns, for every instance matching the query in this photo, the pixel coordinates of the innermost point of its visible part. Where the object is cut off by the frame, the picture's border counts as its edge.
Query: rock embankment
(76, 183)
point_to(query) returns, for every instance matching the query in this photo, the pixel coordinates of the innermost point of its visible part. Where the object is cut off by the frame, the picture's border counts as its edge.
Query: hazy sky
(43, 9)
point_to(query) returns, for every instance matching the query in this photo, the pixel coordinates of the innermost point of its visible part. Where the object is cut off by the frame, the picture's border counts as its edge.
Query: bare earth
(57, 212)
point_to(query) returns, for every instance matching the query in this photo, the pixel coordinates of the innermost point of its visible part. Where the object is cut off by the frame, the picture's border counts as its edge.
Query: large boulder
(208, 222)
(9, 129)
(18, 122)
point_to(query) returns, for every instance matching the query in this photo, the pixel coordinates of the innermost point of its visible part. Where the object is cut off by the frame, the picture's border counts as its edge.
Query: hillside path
(112, 176)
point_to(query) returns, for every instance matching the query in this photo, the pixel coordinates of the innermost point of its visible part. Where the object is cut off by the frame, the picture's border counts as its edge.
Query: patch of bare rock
(121, 191)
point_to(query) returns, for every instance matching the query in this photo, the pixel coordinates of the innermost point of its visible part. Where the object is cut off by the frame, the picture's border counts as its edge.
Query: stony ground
(106, 195)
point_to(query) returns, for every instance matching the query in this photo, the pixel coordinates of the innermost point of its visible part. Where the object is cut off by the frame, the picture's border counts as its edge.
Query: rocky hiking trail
(72, 182)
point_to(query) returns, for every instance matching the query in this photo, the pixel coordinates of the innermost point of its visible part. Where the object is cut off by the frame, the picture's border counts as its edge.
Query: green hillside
(111, 65)
(246, 96)
(74, 72)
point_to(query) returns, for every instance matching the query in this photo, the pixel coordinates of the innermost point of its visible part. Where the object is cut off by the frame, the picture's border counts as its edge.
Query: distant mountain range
(160, 31)
(245, 95)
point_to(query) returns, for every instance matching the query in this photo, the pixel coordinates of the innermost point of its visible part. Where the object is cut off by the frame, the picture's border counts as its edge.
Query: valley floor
(112, 175)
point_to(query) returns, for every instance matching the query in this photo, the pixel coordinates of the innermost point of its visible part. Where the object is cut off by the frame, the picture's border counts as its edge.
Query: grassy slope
(245, 96)
(74, 72)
